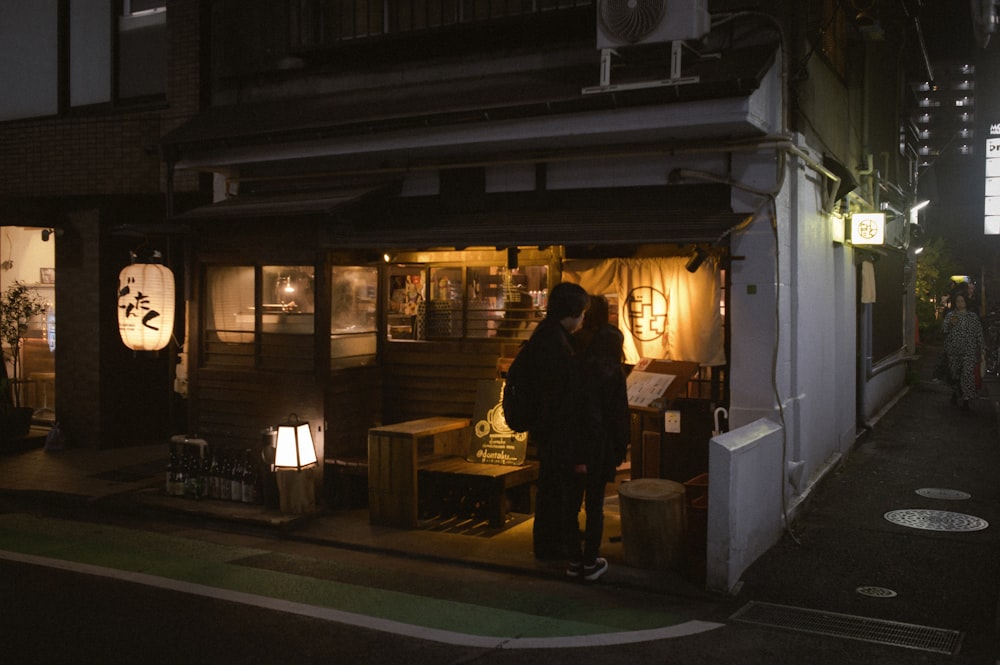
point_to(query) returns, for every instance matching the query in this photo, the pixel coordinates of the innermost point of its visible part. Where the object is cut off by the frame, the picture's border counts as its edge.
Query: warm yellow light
(294, 447)
(146, 306)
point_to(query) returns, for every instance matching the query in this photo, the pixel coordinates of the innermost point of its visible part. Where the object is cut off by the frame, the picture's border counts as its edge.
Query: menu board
(493, 442)
(653, 384)
(644, 388)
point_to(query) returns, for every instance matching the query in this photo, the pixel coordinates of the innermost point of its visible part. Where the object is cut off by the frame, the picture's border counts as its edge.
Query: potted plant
(17, 307)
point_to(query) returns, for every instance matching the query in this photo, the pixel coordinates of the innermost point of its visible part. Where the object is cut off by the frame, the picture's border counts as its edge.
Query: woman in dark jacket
(601, 444)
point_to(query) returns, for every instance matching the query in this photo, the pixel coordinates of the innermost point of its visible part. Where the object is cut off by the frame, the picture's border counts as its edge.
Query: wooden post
(297, 490)
(654, 523)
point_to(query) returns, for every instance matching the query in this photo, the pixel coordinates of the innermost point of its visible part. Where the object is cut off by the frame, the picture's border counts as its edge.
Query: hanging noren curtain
(664, 311)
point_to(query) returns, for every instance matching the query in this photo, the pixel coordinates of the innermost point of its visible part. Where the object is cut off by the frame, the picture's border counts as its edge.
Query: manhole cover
(941, 493)
(876, 592)
(936, 520)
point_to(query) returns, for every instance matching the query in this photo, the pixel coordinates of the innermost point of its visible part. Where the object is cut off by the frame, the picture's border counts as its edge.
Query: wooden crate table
(454, 486)
(393, 454)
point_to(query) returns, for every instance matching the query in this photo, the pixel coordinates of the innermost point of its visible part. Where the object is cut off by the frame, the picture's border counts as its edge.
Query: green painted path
(509, 618)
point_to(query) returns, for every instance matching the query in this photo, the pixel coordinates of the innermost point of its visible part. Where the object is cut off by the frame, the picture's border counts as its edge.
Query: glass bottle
(249, 480)
(236, 482)
(202, 484)
(213, 476)
(225, 475)
(171, 474)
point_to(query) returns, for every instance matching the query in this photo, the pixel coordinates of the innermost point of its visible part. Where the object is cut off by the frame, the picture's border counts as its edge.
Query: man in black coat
(558, 425)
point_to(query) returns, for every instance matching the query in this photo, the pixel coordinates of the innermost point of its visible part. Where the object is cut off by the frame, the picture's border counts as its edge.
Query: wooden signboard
(653, 384)
(493, 442)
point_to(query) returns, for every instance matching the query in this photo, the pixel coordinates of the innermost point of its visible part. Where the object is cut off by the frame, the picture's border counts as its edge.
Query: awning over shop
(256, 206)
(631, 215)
(367, 216)
(538, 228)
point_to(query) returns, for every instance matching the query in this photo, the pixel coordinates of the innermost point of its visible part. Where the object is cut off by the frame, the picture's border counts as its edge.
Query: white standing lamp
(294, 464)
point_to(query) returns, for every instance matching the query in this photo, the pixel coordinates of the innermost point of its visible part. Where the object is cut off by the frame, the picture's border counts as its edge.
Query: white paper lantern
(146, 306)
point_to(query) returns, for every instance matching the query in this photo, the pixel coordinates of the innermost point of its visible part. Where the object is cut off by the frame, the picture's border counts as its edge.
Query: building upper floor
(257, 73)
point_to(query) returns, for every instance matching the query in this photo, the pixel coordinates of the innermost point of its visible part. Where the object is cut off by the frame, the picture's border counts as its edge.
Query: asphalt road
(81, 591)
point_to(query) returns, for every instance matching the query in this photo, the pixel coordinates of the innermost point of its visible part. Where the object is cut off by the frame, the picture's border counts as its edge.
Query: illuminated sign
(991, 207)
(868, 228)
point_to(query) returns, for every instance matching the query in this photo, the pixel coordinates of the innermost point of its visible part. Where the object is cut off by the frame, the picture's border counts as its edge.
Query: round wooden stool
(654, 523)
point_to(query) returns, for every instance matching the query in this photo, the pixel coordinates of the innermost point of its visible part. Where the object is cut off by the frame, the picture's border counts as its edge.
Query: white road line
(363, 621)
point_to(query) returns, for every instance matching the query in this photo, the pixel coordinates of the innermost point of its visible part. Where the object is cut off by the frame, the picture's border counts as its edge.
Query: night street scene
(493, 331)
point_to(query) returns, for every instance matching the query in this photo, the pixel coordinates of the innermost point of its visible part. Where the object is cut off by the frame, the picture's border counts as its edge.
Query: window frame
(263, 350)
(465, 262)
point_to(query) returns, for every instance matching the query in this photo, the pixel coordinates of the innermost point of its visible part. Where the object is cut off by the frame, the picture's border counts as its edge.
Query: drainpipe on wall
(867, 370)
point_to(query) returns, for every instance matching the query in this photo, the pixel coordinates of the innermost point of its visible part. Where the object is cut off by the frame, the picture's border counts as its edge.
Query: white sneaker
(592, 571)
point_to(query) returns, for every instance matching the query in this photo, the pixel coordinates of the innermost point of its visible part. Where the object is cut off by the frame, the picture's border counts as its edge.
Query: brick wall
(94, 171)
(112, 153)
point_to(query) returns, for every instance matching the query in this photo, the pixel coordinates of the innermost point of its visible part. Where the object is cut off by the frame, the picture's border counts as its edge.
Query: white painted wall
(792, 363)
(744, 510)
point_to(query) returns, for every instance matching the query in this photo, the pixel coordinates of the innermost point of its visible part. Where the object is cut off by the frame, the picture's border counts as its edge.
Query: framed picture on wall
(47, 276)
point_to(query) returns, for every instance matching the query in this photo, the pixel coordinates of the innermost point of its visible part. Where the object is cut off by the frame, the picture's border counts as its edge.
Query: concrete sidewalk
(131, 480)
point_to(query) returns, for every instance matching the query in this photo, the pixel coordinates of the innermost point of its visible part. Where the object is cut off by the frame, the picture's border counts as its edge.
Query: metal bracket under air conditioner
(676, 49)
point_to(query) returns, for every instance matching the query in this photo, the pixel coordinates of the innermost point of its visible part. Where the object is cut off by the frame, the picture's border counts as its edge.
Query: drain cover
(936, 520)
(941, 493)
(866, 629)
(876, 592)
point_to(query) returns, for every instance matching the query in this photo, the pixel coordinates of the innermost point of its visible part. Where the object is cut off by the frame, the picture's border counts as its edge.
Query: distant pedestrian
(963, 344)
(559, 419)
(602, 444)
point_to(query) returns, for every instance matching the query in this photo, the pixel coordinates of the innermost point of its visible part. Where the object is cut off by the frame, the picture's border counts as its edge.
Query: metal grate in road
(832, 624)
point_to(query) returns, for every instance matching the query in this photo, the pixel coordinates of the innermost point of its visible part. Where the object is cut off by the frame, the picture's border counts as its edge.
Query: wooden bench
(453, 486)
(422, 462)
(393, 454)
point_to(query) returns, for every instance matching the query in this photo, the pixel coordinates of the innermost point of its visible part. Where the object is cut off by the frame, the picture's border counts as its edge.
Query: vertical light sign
(992, 207)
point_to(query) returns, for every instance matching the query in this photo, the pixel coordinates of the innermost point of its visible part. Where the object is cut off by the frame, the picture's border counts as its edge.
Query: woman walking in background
(963, 344)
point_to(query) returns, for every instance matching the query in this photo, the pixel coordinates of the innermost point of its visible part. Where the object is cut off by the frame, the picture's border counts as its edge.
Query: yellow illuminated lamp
(146, 306)
(294, 467)
(294, 447)
(868, 228)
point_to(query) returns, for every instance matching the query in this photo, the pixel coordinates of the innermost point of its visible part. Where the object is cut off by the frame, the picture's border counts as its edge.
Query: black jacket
(604, 438)
(557, 371)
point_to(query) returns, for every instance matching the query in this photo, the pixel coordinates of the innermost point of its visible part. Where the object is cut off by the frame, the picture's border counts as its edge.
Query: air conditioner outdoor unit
(630, 22)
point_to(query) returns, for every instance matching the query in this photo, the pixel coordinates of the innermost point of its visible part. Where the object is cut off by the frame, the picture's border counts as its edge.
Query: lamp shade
(294, 447)
(146, 306)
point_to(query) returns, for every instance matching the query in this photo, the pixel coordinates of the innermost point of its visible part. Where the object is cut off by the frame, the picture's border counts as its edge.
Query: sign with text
(493, 442)
(868, 228)
(991, 205)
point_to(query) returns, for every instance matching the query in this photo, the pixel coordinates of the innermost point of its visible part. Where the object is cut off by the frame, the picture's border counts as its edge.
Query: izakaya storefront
(379, 309)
